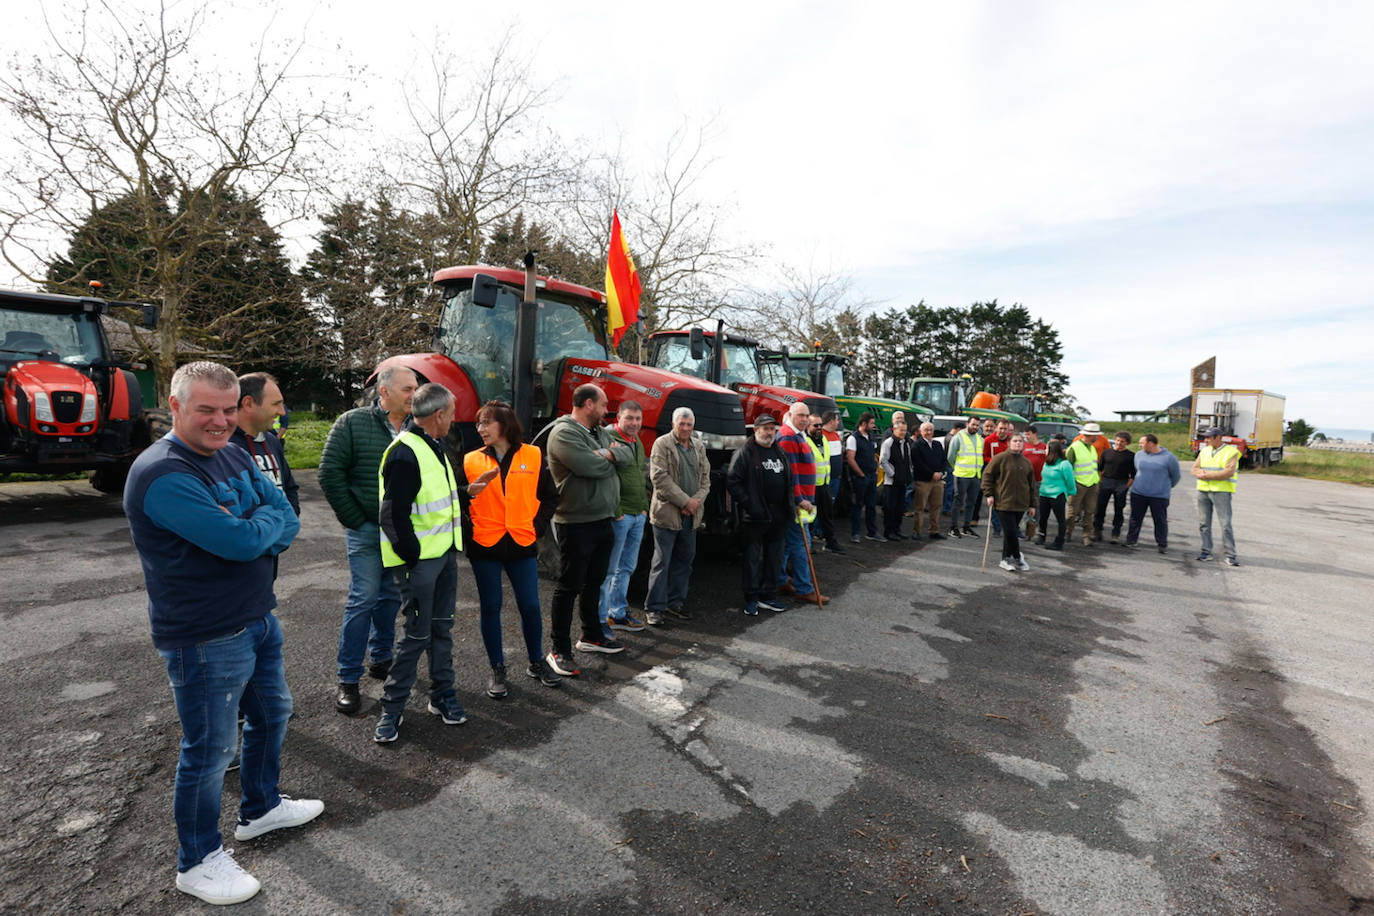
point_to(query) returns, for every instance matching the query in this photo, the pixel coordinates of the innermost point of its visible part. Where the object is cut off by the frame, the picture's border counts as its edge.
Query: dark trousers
(671, 571)
(584, 554)
(1053, 504)
(865, 506)
(1113, 491)
(524, 581)
(429, 593)
(1011, 524)
(763, 543)
(824, 526)
(968, 493)
(1159, 516)
(894, 505)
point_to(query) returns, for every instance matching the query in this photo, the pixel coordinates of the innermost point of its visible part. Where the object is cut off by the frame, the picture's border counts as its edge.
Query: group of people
(213, 504)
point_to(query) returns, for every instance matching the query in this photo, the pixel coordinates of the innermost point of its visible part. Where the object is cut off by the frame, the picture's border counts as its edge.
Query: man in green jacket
(585, 462)
(348, 476)
(628, 525)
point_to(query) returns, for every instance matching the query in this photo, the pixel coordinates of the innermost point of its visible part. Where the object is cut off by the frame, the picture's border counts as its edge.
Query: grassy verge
(304, 440)
(1316, 464)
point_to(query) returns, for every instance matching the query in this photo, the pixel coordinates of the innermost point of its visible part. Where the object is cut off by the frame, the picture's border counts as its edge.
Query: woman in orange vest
(501, 525)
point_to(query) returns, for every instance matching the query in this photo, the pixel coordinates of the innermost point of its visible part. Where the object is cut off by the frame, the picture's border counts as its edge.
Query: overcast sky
(1163, 183)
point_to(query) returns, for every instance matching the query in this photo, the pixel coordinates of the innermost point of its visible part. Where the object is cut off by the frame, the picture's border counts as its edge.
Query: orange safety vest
(505, 506)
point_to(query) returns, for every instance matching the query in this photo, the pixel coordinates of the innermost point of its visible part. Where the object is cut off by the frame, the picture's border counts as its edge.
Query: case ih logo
(589, 371)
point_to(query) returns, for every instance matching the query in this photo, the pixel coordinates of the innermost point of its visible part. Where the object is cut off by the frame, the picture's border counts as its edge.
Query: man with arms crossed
(208, 526)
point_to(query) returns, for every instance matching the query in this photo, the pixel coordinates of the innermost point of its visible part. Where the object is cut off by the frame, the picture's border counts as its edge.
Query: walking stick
(987, 542)
(811, 564)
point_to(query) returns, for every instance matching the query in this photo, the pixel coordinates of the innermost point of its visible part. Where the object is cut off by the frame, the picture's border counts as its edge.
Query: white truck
(1250, 419)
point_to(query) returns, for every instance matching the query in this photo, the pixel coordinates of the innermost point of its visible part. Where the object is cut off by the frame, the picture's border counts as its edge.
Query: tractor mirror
(698, 343)
(485, 289)
(150, 316)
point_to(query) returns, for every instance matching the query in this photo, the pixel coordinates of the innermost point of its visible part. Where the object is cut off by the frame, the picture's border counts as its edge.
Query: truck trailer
(1249, 418)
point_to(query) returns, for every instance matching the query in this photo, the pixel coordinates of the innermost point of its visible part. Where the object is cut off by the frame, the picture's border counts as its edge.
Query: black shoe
(1097, 534)
(1040, 540)
(834, 547)
(968, 529)
(379, 670)
(937, 536)
(1057, 545)
(347, 700)
(678, 613)
(1127, 543)
(955, 533)
(1163, 548)
(539, 669)
(496, 685)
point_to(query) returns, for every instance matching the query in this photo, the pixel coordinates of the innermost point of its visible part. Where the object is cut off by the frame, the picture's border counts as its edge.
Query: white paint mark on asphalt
(1064, 875)
(77, 822)
(1041, 774)
(87, 690)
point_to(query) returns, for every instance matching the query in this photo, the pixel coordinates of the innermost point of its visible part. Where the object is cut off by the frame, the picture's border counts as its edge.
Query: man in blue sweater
(1156, 474)
(208, 525)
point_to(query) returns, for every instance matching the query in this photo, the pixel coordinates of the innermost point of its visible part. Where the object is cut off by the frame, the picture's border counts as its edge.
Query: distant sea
(1357, 435)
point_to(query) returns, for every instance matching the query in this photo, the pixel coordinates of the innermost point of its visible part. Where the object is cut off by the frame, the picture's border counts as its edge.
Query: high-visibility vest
(969, 462)
(435, 513)
(508, 505)
(1084, 458)
(822, 462)
(1216, 460)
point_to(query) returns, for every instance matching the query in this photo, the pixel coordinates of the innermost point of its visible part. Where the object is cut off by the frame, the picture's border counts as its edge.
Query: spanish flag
(622, 284)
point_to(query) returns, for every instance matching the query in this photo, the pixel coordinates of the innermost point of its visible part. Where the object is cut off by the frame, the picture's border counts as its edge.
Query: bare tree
(689, 269)
(803, 306)
(123, 108)
(480, 154)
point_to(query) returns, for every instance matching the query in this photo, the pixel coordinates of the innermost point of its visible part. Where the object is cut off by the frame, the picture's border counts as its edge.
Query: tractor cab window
(939, 397)
(675, 355)
(833, 374)
(482, 341)
(1022, 404)
(771, 373)
(739, 365)
(74, 338)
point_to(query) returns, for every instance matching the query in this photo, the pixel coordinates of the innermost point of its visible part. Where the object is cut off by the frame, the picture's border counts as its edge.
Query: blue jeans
(524, 581)
(373, 601)
(211, 682)
(1220, 501)
(629, 532)
(947, 503)
(794, 560)
(671, 572)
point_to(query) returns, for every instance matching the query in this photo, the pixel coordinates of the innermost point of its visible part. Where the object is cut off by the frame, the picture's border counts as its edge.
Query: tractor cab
(824, 372)
(67, 404)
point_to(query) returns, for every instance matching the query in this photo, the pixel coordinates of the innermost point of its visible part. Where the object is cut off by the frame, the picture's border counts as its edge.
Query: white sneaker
(290, 812)
(1021, 563)
(218, 879)
(1008, 565)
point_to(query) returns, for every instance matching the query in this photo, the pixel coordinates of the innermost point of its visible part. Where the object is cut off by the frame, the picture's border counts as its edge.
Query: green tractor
(952, 403)
(823, 373)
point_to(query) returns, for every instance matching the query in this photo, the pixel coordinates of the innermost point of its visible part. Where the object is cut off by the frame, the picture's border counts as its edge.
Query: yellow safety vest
(1084, 458)
(822, 462)
(1216, 460)
(969, 463)
(435, 514)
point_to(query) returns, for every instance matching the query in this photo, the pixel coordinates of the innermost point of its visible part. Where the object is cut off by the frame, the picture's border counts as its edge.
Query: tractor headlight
(87, 409)
(42, 407)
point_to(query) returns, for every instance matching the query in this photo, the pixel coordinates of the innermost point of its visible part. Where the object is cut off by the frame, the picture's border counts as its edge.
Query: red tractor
(735, 363)
(68, 404)
(531, 340)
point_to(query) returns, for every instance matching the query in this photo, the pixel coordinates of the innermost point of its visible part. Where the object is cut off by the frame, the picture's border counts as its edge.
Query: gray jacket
(665, 509)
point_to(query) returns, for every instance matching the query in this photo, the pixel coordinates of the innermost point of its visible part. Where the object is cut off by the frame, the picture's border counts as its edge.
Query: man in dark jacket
(760, 483)
(1117, 469)
(260, 404)
(928, 470)
(348, 476)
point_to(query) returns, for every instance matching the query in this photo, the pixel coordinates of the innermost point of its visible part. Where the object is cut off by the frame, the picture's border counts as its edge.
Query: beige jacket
(665, 509)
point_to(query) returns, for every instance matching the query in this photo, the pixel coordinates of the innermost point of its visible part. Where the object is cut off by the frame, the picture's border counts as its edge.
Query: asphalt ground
(1112, 732)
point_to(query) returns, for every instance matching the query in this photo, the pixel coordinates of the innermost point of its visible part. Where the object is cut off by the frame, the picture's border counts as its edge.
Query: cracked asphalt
(1111, 732)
